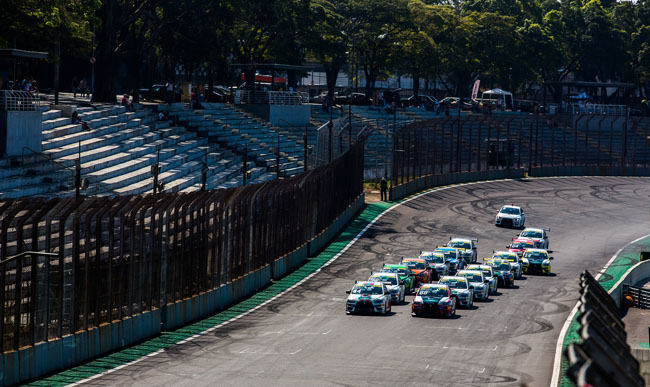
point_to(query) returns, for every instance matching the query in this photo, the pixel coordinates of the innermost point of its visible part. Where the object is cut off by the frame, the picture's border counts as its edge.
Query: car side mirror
(507, 247)
(347, 292)
(550, 258)
(486, 281)
(401, 282)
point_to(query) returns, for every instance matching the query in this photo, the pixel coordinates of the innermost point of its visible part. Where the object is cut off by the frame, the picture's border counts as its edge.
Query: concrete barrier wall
(637, 273)
(430, 181)
(588, 170)
(43, 358)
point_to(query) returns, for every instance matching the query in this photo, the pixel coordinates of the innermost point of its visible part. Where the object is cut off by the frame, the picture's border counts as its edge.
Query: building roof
(15, 53)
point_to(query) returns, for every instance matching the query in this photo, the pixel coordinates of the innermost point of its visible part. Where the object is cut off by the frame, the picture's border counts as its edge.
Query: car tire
(390, 307)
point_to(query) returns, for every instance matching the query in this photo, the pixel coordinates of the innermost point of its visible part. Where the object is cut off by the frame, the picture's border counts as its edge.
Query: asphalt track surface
(305, 337)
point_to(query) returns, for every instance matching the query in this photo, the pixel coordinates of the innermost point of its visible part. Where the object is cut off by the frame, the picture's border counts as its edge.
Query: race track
(305, 337)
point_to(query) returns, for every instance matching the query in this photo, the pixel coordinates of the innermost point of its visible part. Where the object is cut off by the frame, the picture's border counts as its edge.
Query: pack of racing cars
(450, 276)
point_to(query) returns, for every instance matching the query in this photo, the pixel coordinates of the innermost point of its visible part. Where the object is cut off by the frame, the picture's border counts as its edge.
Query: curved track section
(305, 338)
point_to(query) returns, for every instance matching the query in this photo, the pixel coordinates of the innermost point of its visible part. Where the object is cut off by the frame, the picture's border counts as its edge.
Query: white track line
(334, 258)
(557, 364)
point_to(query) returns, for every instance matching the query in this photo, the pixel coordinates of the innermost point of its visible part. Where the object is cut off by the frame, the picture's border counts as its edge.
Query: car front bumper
(365, 307)
(431, 310)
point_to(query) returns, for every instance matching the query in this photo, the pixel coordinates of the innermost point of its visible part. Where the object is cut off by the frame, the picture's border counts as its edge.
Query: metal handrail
(48, 158)
(25, 253)
(106, 189)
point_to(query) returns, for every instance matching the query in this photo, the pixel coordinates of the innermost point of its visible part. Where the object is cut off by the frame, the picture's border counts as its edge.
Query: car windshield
(398, 270)
(434, 259)
(449, 254)
(510, 211)
(461, 244)
(385, 279)
(433, 292)
(454, 283)
(487, 272)
(367, 289)
(531, 234)
(473, 277)
(415, 265)
(501, 266)
(520, 245)
(534, 255)
(507, 257)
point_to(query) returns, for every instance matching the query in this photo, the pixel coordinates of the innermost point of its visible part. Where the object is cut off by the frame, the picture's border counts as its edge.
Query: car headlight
(447, 302)
(546, 263)
(379, 300)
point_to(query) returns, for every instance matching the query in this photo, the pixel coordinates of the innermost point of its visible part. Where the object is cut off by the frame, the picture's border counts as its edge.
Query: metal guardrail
(641, 296)
(270, 97)
(598, 109)
(602, 357)
(16, 100)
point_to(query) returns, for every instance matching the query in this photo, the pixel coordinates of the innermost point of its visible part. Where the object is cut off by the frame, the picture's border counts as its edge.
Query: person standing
(383, 187)
(82, 87)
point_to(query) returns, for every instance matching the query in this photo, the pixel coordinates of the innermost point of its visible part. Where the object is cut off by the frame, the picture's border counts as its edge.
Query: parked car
(527, 106)
(352, 98)
(452, 102)
(158, 92)
(418, 101)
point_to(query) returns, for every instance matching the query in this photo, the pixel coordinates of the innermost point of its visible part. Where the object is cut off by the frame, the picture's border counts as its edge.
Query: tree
(375, 40)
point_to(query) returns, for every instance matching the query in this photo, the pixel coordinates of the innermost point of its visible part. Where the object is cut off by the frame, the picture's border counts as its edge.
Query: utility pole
(155, 170)
(350, 123)
(277, 159)
(329, 148)
(204, 172)
(245, 166)
(304, 141)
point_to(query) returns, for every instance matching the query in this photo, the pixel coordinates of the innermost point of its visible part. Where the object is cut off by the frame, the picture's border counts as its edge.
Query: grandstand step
(131, 182)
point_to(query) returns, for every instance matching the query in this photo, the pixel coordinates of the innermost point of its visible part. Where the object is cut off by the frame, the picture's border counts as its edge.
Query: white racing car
(368, 297)
(510, 216)
(538, 236)
(393, 283)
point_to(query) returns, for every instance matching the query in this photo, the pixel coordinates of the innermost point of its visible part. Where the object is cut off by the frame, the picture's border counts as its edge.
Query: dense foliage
(510, 43)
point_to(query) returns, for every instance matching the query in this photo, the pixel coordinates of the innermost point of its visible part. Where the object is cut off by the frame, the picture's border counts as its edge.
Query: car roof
(504, 253)
(452, 277)
(435, 286)
(413, 259)
(430, 253)
(537, 250)
(470, 267)
(369, 283)
(380, 274)
(511, 206)
(443, 248)
(533, 229)
(460, 240)
(469, 271)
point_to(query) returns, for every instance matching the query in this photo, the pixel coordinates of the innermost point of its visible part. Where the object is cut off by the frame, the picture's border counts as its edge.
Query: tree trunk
(331, 75)
(57, 62)
(416, 85)
(106, 61)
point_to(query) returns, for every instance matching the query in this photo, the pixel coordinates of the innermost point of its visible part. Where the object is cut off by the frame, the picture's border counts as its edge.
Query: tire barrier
(602, 357)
